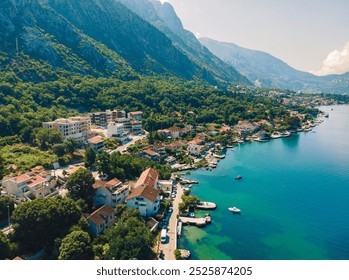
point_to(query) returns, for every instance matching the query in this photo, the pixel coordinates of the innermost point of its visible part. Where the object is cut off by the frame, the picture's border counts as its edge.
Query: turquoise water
(294, 198)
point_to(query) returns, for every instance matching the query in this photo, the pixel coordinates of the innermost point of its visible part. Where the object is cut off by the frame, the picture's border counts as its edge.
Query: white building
(195, 147)
(96, 143)
(110, 193)
(78, 128)
(27, 186)
(115, 129)
(145, 196)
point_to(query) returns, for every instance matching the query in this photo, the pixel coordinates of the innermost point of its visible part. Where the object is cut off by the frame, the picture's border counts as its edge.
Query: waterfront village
(165, 204)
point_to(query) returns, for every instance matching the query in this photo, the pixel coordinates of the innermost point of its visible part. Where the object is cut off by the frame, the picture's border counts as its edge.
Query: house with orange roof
(150, 155)
(137, 115)
(196, 146)
(96, 143)
(110, 192)
(101, 219)
(28, 185)
(145, 196)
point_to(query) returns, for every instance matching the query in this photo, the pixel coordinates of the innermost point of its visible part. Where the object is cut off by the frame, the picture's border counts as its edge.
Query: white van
(163, 235)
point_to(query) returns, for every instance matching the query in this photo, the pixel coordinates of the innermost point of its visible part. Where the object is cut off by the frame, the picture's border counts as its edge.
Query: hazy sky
(309, 35)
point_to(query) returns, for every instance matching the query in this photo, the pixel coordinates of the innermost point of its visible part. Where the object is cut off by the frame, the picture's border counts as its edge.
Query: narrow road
(134, 140)
(169, 247)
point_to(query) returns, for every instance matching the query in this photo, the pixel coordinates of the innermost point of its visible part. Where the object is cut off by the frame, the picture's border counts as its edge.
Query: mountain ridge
(103, 38)
(268, 71)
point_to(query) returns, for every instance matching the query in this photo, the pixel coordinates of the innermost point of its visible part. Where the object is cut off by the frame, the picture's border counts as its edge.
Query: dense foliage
(4, 246)
(164, 101)
(79, 185)
(39, 222)
(4, 202)
(130, 238)
(76, 246)
(125, 166)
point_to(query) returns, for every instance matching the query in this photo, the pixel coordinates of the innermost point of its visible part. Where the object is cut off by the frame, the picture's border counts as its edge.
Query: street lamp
(8, 215)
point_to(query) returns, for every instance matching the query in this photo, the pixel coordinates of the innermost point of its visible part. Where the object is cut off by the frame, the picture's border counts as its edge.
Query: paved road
(169, 247)
(134, 140)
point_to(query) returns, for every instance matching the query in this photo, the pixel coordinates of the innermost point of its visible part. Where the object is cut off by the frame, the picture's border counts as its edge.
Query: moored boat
(234, 210)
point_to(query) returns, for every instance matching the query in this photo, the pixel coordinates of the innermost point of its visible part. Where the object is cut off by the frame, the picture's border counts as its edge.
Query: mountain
(100, 38)
(269, 71)
(164, 18)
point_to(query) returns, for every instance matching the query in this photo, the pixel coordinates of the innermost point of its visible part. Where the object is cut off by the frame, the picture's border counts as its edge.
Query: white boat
(275, 135)
(234, 209)
(286, 134)
(219, 156)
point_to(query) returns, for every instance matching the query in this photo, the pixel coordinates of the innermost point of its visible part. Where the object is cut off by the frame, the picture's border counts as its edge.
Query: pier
(199, 222)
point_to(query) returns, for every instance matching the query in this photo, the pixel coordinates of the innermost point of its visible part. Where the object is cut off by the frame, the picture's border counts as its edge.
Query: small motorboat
(239, 177)
(234, 210)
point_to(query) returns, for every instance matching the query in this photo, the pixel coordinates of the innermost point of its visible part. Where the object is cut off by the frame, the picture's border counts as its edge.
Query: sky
(309, 35)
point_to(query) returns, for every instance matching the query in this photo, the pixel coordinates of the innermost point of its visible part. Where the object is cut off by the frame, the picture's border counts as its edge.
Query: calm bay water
(294, 198)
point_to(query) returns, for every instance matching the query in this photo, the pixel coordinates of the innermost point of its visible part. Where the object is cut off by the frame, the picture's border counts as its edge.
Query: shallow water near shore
(294, 198)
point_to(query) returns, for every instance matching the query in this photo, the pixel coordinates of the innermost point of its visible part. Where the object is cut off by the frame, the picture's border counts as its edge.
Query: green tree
(4, 202)
(178, 254)
(59, 149)
(90, 157)
(130, 238)
(182, 207)
(46, 138)
(71, 145)
(4, 246)
(103, 164)
(39, 222)
(2, 167)
(80, 184)
(76, 246)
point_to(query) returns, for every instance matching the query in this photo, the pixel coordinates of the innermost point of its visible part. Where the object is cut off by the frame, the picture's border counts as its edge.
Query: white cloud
(337, 62)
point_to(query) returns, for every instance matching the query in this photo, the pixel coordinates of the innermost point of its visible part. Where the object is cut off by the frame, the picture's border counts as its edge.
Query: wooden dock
(199, 222)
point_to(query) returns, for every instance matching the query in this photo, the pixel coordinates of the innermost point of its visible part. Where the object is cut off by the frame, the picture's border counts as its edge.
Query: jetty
(206, 205)
(199, 222)
(187, 182)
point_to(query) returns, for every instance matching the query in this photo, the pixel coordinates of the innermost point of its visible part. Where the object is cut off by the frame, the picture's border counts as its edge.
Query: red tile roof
(196, 141)
(145, 191)
(136, 113)
(148, 177)
(145, 185)
(35, 180)
(22, 178)
(97, 217)
(95, 140)
(151, 152)
(98, 184)
(113, 182)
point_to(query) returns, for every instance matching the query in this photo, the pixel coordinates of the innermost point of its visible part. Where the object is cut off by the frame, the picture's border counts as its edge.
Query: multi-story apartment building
(145, 196)
(78, 128)
(27, 186)
(103, 118)
(110, 193)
